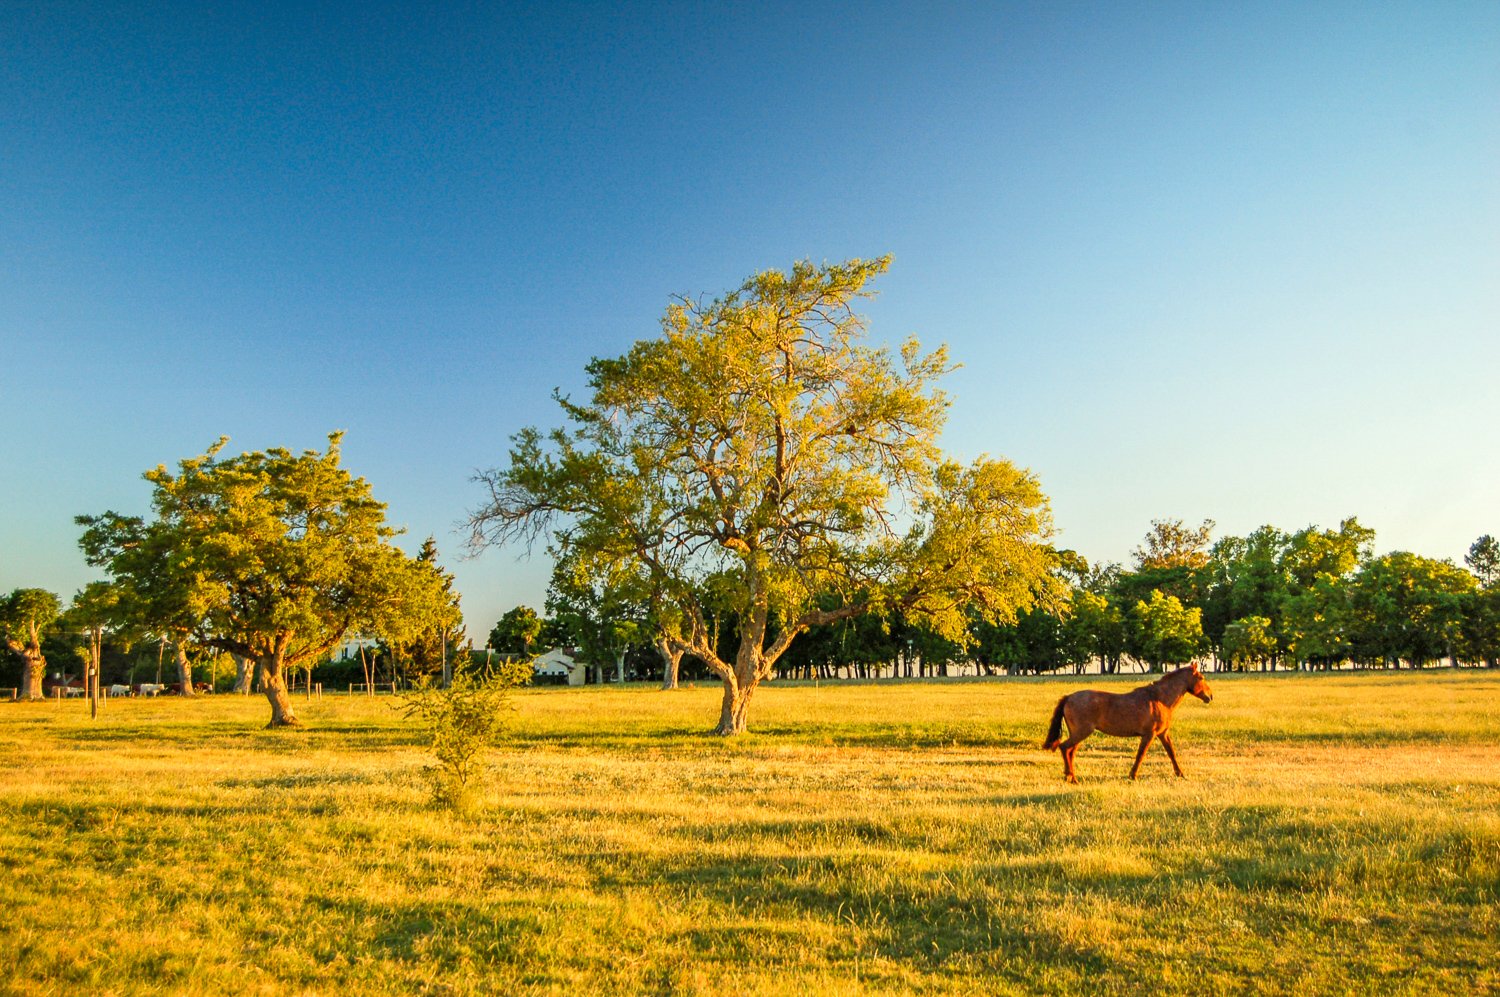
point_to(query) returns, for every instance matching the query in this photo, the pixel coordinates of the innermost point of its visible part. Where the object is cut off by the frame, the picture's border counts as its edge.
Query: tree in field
(94, 614)
(516, 632)
(271, 555)
(25, 617)
(758, 437)
(1481, 629)
(1316, 622)
(1245, 577)
(1164, 632)
(1094, 627)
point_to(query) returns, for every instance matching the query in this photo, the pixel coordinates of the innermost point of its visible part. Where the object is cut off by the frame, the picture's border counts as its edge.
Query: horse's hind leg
(1166, 742)
(1069, 748)
(1141, 753)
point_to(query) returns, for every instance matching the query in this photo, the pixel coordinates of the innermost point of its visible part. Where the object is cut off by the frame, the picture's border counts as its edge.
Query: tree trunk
(620, 667)
(735, 709)
(273, 681)
(33, 668)
(184, 671)
(672, 663)
(96, 656)
(242, 674)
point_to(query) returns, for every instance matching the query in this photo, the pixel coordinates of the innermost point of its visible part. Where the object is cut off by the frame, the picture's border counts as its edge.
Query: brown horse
(1145, 713)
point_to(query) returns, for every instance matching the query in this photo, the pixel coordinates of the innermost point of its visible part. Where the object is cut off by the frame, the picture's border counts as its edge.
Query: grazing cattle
(119, 690)
(150, 689)
(1145, 713)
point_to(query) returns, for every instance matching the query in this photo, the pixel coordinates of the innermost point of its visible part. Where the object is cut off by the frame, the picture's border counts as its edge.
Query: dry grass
(1338, 834)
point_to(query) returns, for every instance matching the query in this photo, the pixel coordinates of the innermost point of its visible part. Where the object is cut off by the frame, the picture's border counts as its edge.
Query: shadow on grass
(921, 921)
(431, 933)
(351, 737)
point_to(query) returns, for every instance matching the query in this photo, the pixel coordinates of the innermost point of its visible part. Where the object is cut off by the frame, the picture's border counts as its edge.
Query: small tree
(1171, 544)
(604, 613)
(94, 613)
(26, 615)
(460, 723)
(430, 646)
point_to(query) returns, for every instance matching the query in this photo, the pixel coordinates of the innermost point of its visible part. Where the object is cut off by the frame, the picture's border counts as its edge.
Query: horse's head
(1198, 686)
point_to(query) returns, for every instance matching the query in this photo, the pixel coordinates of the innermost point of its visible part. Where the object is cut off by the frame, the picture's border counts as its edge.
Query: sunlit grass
(1337, 834)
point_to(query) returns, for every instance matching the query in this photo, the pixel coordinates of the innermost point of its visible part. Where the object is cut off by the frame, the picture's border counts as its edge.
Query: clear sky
(1200, 260)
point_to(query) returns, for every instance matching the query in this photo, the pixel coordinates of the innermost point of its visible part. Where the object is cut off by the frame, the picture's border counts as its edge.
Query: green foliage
(461, 722)
(27, 618)
(26, 615)
(1403, 606)
(1249, 641)
(604, 614)
(516, 632)
(1094, 628)
(1483, 559)
(1171, 544)
(1165, 632)
(422, 653)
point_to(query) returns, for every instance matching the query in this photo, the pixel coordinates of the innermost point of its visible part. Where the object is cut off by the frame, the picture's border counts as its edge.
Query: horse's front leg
(1166, 742)
(1141, 752)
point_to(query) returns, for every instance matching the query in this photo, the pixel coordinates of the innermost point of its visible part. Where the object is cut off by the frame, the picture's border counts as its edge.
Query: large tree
(272, 555)
(25, 617)
(760, 438)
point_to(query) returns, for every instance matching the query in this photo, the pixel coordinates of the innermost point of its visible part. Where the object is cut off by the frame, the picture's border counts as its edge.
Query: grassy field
(1336, 834)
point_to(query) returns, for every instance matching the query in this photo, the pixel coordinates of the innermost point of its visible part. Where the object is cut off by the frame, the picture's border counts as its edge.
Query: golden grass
(1337, 834)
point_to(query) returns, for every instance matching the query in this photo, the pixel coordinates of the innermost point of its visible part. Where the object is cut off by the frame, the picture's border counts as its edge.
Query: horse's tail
(1054, 731)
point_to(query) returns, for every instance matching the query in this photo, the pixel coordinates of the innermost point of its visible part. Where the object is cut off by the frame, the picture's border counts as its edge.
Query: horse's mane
(1176, 672)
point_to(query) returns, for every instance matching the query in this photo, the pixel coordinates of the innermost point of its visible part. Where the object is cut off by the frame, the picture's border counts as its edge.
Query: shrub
(460, 721)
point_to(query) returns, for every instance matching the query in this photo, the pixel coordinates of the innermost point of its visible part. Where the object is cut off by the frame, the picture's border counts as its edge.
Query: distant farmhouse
(560, 666)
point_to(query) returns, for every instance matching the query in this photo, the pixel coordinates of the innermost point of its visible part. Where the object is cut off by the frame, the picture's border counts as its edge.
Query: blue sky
(1238, 262)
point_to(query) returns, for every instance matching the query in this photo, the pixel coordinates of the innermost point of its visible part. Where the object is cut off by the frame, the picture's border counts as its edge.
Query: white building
(560, 666)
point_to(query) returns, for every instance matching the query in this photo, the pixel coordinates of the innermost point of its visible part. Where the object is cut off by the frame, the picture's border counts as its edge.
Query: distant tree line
(1314, 599)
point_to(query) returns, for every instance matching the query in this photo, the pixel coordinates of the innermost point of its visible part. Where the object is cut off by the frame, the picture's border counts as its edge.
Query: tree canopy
(759, 437)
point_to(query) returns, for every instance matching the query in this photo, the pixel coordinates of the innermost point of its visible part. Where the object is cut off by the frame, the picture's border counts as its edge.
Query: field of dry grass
(1336, 834)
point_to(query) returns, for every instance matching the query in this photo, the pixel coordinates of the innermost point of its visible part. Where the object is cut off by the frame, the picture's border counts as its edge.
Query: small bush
(461, 721)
